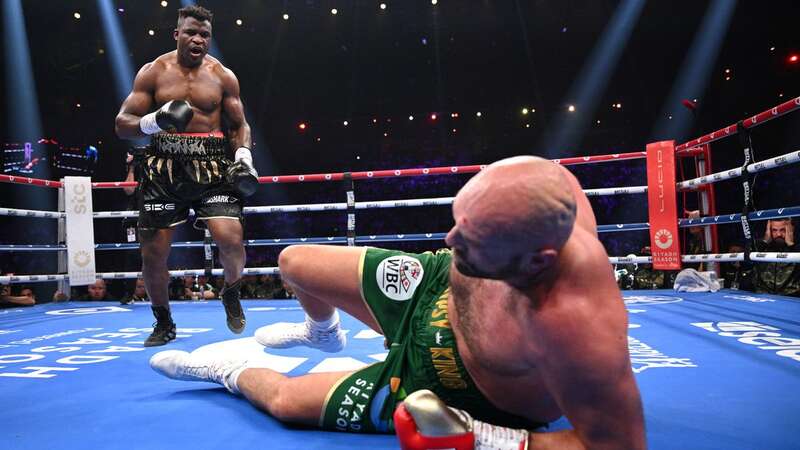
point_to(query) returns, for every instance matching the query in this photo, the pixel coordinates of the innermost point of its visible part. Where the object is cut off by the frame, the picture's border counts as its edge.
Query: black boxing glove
(173, 116)
(241, 174)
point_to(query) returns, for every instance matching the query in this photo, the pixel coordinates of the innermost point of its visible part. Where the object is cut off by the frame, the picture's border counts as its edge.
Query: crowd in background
(769, 278)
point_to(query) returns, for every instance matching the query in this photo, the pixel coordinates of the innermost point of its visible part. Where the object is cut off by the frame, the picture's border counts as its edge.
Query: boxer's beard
(470, 270)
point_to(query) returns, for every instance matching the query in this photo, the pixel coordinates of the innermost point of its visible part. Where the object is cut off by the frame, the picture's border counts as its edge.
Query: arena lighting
(118, 53)
(164, 3)
(151, 32)
(23, 122)
(434, 116)
(76, 15)
(410, 117)
(525, 111)
(383, 5)
(588, 87)
(696, 70)
(285, 17)
(571, 108)
(239, 22)
(334, 11)
(434, 2)
(478, 114)
(346, 123)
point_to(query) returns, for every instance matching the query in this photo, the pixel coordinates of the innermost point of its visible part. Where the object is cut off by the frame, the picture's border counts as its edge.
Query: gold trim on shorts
(361, 288)
(329, 395)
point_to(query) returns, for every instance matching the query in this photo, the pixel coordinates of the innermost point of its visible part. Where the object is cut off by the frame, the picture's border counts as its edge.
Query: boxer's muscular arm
(588, 371)
(138, 103)
(239, 129)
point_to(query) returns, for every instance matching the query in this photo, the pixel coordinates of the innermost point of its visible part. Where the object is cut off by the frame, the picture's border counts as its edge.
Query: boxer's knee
(154, 253)
(290, 260)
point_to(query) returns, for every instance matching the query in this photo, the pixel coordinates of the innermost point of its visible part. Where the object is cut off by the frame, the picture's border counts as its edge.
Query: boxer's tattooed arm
(239, 129)
(138, 103)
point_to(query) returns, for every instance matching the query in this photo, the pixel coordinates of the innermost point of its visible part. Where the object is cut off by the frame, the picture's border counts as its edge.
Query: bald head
(509, 215)
(525, 200)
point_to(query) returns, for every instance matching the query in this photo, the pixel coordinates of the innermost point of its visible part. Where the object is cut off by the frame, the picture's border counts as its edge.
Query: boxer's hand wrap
(424, 422)
(173, 116)
(241, 174)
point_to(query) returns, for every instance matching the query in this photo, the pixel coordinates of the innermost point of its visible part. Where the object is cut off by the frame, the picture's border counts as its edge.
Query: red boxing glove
(424, 422)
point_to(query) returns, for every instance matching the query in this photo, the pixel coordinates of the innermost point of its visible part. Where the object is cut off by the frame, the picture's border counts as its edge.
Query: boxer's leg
(324, 278)
(227, 234)
(155, 247)
(297, 400)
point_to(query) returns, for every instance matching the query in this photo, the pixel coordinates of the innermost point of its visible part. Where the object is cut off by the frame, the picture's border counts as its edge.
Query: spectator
(96, 292)
(646, 277)
(8, 300)
(777, 278)
(266, 286)
(249, 286)
(737, 274)
(284, 292)
(197, 288)
(207, 290)
(695, 242)
(139, 293)
(219, 283)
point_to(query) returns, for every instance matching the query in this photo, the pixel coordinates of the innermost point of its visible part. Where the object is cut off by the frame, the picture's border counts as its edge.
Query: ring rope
(767, 164)
(311, 207)
(720, 257)
(765, 214)
(793, 257)
(750, 122)
(364, 175)
(13, 279)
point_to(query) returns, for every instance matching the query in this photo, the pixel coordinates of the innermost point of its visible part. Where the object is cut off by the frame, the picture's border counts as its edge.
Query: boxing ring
(716, 370)
(703, 386)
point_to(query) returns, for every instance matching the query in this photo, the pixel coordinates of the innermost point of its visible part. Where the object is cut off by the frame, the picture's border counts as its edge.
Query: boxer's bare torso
(204, 87)
(504, 334)
(557, 347)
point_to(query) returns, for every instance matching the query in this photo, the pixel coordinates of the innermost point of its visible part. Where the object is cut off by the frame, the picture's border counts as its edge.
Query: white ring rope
(717, 257)
(793, 257)
(31, 213)
(12, 279)
(767, 164)
(342, 206)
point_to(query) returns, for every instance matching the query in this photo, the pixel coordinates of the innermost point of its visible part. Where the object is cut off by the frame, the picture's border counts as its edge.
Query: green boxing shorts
(407, 294)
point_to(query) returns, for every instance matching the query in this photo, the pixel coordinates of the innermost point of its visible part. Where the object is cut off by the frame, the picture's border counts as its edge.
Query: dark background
(374, 68)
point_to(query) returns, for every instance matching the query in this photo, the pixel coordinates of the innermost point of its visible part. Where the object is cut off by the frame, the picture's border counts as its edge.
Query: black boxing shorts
(183, 171)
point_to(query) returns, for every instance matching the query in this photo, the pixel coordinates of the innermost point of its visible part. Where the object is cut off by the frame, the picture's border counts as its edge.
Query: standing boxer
(186, 165)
